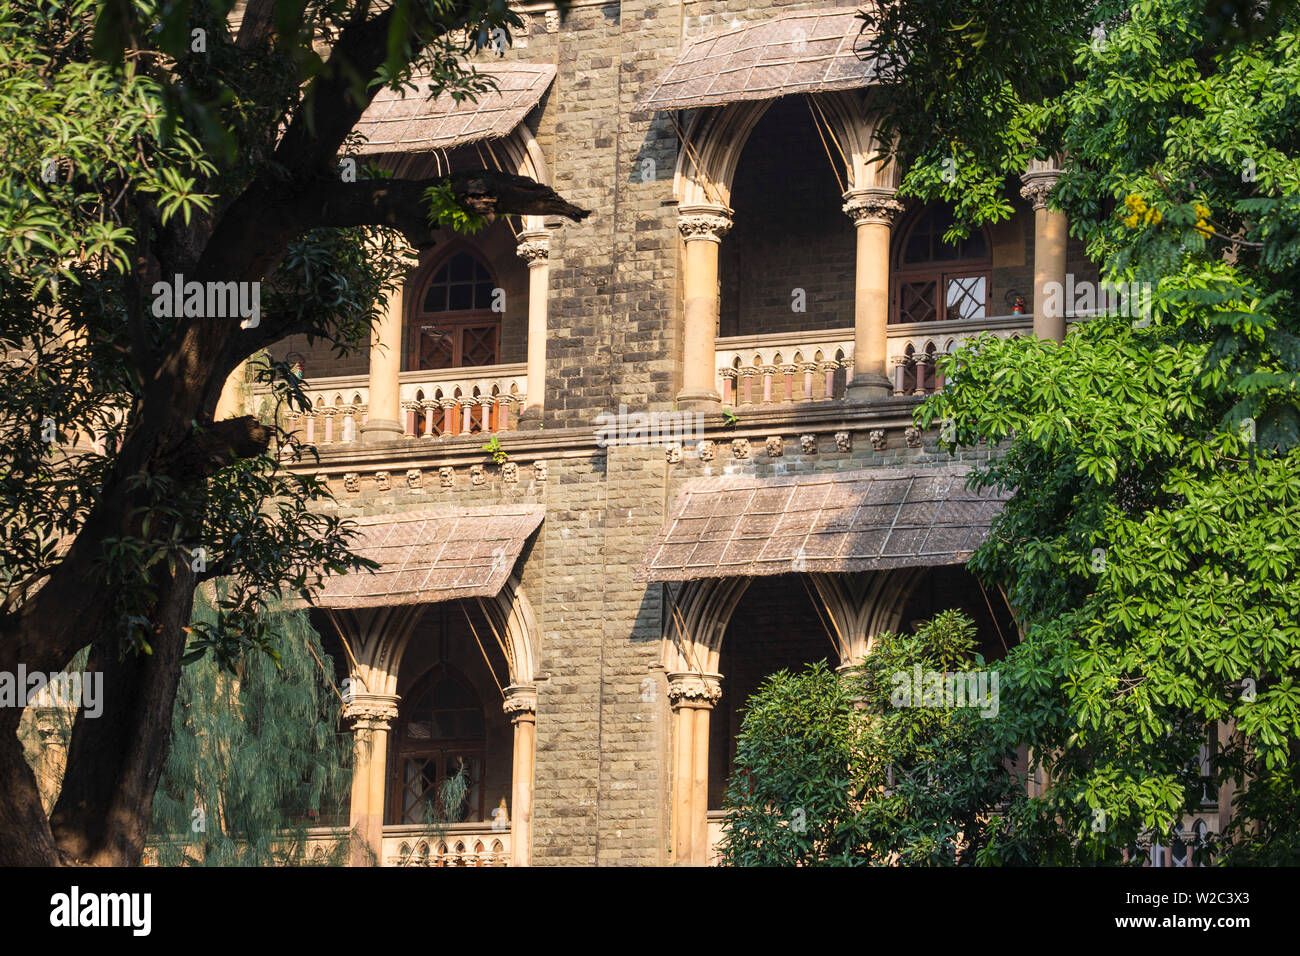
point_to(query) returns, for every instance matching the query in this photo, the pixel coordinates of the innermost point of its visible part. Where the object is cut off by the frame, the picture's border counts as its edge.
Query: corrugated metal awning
(410, 122)
(808, 51)
(430, 556)
(850, 521)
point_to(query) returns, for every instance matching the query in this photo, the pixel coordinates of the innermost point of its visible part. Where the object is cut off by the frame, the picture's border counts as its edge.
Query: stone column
(873, 211)
(1050, 234)
(535, 249)
(702, 227)
(692, 697)
(371, 716)
(230, 403)
(385, 422)
(521, 707)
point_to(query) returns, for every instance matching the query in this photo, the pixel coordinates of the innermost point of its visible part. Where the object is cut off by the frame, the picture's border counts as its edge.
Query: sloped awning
(431, 556)
(409, 122)
(851, 521)
(809, 51)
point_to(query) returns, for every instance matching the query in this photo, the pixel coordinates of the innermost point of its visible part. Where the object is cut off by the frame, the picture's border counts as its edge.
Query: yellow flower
(1153, 217)
(1203, 228)
(1135, 203)
(1202, 212)
(1131, 221)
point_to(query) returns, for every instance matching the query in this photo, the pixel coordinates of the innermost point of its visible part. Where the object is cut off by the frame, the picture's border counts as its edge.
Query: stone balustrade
(454, 844)
(816, 365)
(457, 401)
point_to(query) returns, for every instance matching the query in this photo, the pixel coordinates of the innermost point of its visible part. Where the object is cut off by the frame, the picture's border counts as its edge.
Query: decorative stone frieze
(446, 476)
(913, 437)
(414, 478)
(539, 470)
(509, 472)
(384, 480)
(352, 481)
(844, 441)
(877, 438)
(476, 476)
(705, 450)
(808, 443)
(775, 446)
(740, 448)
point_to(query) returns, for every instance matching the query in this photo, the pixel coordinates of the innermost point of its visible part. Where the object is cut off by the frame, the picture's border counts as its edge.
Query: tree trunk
(25, 837)
(104, 809)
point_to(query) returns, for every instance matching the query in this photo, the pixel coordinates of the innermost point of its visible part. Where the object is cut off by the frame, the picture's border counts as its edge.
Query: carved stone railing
(915, 347)
(453, 844)
(433, 404)
(816, 365)
(784, 366)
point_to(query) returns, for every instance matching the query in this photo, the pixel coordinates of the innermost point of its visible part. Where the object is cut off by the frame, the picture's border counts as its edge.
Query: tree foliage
(840, 769)
(256, 755)
(1150, 549)
(147, 143)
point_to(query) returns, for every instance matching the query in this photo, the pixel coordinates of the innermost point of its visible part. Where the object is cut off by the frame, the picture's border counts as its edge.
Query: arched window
(439, 752)
(935, 280)
(453, 321)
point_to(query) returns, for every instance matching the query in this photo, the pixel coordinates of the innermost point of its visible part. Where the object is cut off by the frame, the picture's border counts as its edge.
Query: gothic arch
(378, 637)
(718, 136)
(698, 620)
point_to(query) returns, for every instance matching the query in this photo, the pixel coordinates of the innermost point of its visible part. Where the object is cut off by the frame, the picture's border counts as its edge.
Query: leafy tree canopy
(1151, 547)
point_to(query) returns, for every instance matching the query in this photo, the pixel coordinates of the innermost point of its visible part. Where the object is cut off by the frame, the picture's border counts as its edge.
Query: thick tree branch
(400, 203)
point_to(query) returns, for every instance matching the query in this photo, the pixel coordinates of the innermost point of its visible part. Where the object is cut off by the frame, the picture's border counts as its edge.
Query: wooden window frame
(937, 271)
(474, 748)
(456, 322)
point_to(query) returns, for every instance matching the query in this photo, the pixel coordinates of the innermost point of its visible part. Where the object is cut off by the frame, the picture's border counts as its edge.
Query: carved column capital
(520, 702)
(874, 205)
(371, 711)
(1038, 181)
(708, 223)
(694, 690)
(534, 247)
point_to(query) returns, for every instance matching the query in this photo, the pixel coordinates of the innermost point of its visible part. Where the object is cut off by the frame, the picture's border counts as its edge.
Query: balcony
(435, 404)
(452, 844)
(815, 366)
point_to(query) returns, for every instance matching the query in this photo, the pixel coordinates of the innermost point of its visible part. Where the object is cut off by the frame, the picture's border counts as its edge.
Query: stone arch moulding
(718, 136)
(699, 614)
(378, 637)
(864, 606)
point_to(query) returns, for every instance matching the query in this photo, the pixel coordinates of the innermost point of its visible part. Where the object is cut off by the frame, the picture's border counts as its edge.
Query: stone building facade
(749, 277)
